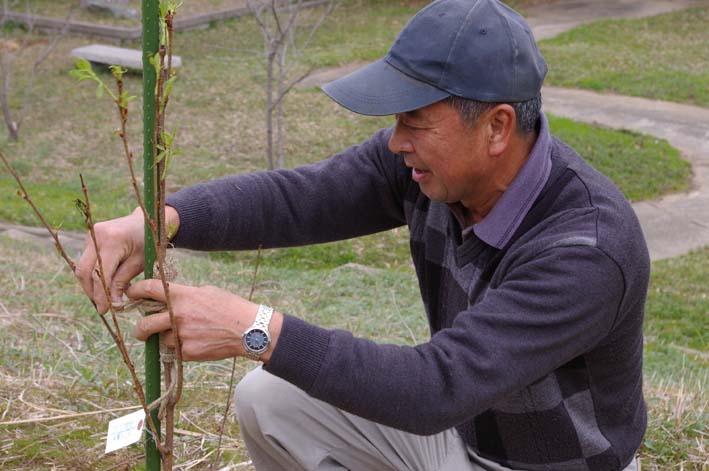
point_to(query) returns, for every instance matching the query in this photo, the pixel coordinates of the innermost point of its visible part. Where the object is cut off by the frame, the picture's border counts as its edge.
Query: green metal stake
(151, 38)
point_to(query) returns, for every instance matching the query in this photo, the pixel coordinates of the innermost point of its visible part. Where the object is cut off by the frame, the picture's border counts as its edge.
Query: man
(532, 268)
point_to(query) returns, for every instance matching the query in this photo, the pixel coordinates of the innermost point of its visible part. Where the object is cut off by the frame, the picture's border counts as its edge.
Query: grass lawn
(664, 57)
(217, 106)
(57, 358)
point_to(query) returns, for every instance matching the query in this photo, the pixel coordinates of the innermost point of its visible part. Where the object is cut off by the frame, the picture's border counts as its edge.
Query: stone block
(111, 55)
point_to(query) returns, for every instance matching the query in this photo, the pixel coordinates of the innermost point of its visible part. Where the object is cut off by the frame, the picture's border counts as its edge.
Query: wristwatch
(256, 339)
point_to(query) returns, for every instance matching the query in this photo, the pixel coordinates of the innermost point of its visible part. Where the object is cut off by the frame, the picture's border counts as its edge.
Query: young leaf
(155, 61)
(82, 64)
(82, 70)
(77, 74)
(163, 31)
(171, 229)
(168, 89)
(125, 99)
(99, 91)
(117, 71)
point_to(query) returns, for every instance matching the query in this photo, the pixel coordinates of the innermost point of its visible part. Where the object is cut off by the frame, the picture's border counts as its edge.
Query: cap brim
(378, 89)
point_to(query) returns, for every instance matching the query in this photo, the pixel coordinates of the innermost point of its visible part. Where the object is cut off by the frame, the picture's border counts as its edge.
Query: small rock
(114, 8)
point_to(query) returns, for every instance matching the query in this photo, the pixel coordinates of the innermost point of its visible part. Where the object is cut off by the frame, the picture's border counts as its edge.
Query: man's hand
(211, 321)
(121, 246)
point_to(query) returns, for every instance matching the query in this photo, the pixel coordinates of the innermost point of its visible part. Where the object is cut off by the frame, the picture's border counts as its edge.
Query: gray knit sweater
(536, 349)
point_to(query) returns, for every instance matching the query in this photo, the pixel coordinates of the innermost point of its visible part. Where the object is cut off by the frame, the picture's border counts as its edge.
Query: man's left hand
(210, 320)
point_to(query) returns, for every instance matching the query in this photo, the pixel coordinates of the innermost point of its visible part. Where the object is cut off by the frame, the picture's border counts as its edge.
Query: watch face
(256, 340)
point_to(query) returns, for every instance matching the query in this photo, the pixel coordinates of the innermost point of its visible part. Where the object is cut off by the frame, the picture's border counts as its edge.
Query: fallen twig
(67, 416)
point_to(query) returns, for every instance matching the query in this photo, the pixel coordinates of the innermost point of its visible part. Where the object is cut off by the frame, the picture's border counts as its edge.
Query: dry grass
(56, 358)
(58, 361)
(678, 415)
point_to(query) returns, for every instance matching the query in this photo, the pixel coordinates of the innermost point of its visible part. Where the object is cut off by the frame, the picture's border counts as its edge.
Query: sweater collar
(502, 221)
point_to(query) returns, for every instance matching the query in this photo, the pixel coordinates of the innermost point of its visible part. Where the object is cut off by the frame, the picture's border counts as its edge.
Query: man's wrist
(171, 216)
(274, 330)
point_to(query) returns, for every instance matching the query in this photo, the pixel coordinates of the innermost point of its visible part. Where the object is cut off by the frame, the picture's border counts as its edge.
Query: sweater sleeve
(359, 191)
(546, 312)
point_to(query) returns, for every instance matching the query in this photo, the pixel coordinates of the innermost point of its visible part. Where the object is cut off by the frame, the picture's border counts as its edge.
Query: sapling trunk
(150, 13)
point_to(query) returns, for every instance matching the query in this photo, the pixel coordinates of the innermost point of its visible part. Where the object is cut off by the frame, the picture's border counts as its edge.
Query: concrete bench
(111, 55)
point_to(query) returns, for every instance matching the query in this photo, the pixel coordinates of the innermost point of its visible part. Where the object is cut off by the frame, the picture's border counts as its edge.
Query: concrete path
(73, 242)
(549, 20)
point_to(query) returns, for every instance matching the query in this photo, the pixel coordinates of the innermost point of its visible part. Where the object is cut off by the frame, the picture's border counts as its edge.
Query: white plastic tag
(125, 430)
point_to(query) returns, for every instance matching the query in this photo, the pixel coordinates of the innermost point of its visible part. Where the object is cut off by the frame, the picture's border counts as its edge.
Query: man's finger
(122, 278)
(85, 268)
(99, 294)
(147, 289)
(110, 262)
(151, 324)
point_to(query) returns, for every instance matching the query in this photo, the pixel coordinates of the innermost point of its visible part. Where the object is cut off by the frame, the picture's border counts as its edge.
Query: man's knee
(259, 392)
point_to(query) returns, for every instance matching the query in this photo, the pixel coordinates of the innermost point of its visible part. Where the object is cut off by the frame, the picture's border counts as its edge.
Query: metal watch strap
(263, 317)
(262, 320)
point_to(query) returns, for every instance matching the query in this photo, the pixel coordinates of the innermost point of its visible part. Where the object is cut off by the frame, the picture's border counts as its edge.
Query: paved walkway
(674, 224)
(549, 20)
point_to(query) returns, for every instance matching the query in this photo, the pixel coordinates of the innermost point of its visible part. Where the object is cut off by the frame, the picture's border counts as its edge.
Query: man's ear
(502, 122)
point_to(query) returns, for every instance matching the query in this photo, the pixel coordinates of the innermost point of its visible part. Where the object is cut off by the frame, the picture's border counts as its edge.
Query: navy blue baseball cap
(476, 49)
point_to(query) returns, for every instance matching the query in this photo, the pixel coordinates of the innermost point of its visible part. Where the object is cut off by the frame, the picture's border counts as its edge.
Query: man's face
(449, 161)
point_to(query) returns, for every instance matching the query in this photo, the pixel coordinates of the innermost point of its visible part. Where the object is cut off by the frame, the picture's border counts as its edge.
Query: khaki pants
(285, 429)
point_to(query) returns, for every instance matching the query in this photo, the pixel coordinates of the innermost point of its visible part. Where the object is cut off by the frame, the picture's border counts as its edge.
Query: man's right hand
(121, 246)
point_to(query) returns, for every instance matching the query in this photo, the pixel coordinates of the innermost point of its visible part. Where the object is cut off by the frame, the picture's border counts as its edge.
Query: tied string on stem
(168, 356)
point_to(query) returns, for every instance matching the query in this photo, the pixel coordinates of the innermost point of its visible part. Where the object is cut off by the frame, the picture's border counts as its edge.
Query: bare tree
(9, 52)
(278, 20)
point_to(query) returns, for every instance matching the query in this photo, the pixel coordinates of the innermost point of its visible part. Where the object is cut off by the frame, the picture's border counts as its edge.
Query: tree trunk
(269, 109)
(279, 108)
(12, 127)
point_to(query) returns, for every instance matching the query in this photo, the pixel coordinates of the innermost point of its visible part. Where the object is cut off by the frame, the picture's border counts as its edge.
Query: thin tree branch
(118, 337)
(161, 242)
(274, 12)
(290, 86)
(257, 8)
(123, 134)
(314, 29)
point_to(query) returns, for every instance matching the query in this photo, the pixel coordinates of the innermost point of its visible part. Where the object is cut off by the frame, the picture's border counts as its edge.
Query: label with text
(125, 430)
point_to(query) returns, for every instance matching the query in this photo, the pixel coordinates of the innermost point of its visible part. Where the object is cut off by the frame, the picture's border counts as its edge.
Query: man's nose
(399, 143)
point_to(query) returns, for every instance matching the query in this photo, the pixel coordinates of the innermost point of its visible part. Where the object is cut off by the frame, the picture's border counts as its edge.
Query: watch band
(263, 317)
(261, 322)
